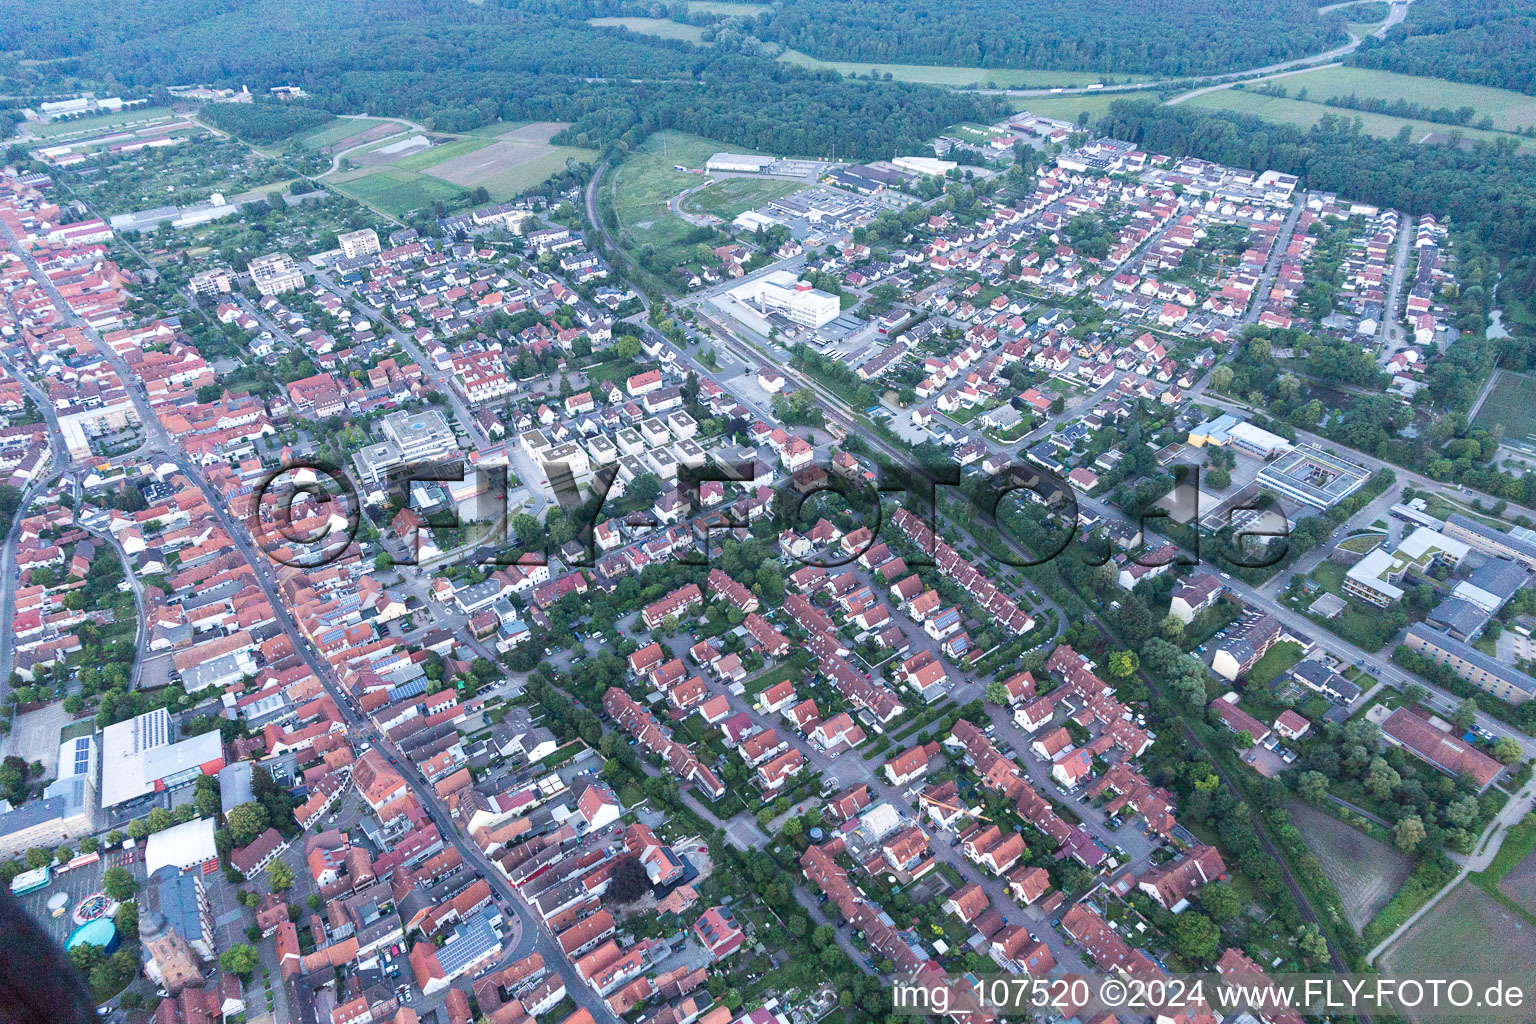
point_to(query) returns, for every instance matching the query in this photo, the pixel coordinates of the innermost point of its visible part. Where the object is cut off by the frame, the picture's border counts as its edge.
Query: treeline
(455, 66)
(1155, 37)
(1405, 108)
(266, 122)
(1489, 188)
(1484, 43)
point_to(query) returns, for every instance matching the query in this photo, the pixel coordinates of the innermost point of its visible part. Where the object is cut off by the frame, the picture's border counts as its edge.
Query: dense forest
(455, 66)
(1489, 188)
(1155, 37)
(1489, 42)
(264, 122)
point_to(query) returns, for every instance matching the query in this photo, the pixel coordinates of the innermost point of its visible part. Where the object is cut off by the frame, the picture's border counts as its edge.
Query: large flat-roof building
(1375, 578)
(142, 756)
(1518, 544)
(738, 163)
(797, 301)
(1312, 476)
(409, 437)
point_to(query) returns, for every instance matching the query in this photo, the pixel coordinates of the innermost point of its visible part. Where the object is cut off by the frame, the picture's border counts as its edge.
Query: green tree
(1311, 945)
(1196, 937)
(1506, 750)
(127, 920)
(997, 693)
(1312, 787)
(1220, 902)
(118, 884)
(239, 959)
(280, 875)
(245, 822)
(1408, 834)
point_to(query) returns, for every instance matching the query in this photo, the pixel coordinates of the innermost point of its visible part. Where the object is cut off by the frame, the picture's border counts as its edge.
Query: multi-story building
(276, 273)
(1485, 673)
(358, 243)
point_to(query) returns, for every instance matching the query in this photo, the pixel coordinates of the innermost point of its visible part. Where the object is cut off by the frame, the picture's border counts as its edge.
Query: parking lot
(79, 883)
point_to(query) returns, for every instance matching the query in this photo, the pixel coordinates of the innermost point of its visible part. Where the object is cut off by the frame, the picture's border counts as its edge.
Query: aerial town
(706, 588)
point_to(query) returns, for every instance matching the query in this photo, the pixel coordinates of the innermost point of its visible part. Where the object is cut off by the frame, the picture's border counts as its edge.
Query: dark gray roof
(1457, 616)
(1473, 656)
(1500, 577)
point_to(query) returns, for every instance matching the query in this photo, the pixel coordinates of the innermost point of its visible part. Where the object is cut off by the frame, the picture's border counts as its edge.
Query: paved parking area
(79, 883)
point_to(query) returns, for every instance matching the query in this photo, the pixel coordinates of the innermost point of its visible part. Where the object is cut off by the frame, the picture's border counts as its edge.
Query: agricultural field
(1512, 405)
(1510, 110)
(344, 133)
(396, 191)
(1468, 932)
(509, 163)
(730, 197)
(1365, 872)
(1518, 883)
(1305, 113)
(661, 28)
(937, 74)
(402, 175)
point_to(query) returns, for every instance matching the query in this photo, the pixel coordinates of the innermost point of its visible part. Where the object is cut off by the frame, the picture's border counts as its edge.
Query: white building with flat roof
(738, 163)
(797, 301)
(276, 273)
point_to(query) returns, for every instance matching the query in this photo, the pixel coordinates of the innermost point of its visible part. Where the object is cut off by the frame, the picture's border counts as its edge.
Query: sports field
(940, 74)
(1067, 108)
(1512, 404)
(661, 28)
(134, 118)
(724, 7)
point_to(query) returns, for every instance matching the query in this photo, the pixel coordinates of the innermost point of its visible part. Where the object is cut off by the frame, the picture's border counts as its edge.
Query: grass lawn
(100, 123)
(730, 197)
(496, 128)
(1276, 660)
(1512, 404)
(942, 74)
(1305, 113)
(725, 7)
(423, 159)
(642, 185)
(1067, 108)
(397, 191)
(661, 28)
(1510, 110)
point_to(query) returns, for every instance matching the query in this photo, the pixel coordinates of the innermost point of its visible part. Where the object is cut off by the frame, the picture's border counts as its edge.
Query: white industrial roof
(181, 846)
